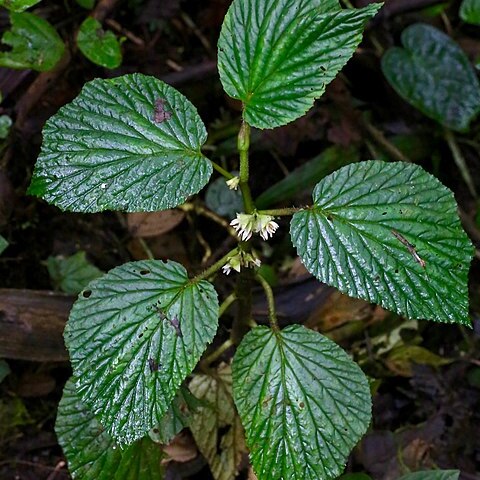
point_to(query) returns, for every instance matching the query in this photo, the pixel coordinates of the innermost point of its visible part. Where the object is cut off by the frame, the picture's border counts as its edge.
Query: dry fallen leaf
(153, 224)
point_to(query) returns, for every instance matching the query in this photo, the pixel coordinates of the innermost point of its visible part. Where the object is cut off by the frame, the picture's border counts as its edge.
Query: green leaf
(72, 274)
(92, 454)
(216, 427)
(18, 5)
(470, 11)
(307, 175)
(133, 337)
(353, 238)
(433, 74)
(303, 402)
(99, 46)
(88, 4)
(5, 124)
(130, 143)
(222, 200)
(35, 44)
(177, 417)
(432, 475)
(277, 56)
(3, 244)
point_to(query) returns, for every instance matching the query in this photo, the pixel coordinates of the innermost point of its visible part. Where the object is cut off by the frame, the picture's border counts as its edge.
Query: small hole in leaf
(87, 293)
(384, 213)
(144, 272)
(155, 430)
(141, 335)
(396, 270)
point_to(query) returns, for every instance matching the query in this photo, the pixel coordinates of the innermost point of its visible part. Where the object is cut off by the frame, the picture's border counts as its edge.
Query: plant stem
(221, 170)
(281, 212)
(216, 354)
(243, 144)
(226, 303)
(272, 315)
(244, 312)
(460, 161)
(215, 267)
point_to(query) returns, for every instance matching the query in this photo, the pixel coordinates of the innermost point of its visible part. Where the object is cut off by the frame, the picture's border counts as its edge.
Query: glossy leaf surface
(99, 46)
(34, 43)
(216, 426)
(133, 336)
(130, 143)
(92, 454)
(303, 402)
(388, 233)
(277, 56)
(433, 74)
(18, 5)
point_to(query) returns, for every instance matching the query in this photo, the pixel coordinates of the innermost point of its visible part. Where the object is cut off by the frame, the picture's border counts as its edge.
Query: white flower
(226, 269)
(233, 183)
(241, 259)
(246, 224)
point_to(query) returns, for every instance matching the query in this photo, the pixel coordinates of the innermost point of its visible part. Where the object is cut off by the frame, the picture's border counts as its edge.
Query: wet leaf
(433, 74)
(133, 336)
(105, 150)
(35, 44)
(216, 426)
(277, 56)
(303, 402)
(99, 46)
(92, 454)
(388, 233)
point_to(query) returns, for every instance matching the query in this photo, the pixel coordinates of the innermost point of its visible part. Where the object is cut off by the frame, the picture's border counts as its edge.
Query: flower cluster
(247, 224)
(241, 259)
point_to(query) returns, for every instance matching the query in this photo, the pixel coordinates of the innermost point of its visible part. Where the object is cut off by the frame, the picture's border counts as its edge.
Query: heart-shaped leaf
(303, 402)
(35, 43)
(388, 233)
(277, 56)
(130, 143)
(433, 74)
(92, 454)
(133, 336)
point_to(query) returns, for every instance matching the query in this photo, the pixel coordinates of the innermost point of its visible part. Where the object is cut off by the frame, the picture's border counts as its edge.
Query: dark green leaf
(72, 274)
(133, 337)
(99, 46)
(307, 175)
(35, 44)
(353, 238)
(18, 5)
(223, 200)
(216, 426)
(88, 4)
(92, 454)
(433, 74)
(303, 402)
(470, 11)
(277, 56)
(3, 244)
(432, 475)
(131, 143)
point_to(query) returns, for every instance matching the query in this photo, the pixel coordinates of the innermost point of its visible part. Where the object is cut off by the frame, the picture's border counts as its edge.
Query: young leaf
(18, 5)
(35, 44)
(92, 454)
(303, 402)
(470, 11)
(72, 274)
(130, 143)
(216, 427)
(388, 233)
(277, 56)
(433, 74)
(99, 46)
(432, 475)
(133, 336)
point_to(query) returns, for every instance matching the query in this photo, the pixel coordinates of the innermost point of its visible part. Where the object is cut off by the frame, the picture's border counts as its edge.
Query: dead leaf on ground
(153, 224)
(181, 449)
